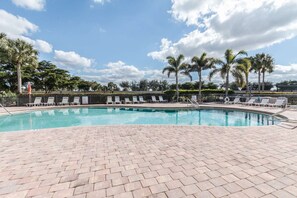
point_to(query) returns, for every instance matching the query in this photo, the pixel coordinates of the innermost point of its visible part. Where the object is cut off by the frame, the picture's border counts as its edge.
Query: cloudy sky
(116, 40)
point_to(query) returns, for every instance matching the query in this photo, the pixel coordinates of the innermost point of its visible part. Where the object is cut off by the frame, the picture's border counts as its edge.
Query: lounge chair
(127, 101)
(76, 101)
(154, 99)
(50, 101)
(141, 100)
(37, 102)
(65, 101)
(109, 100)
(161, 99)
(117, 100)
(134, 100)
(250, 101)
(279, 103)
(194, 98)
(235, 101)
(264, 102)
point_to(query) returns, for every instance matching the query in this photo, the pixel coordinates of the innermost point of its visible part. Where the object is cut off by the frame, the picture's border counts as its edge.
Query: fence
(8, 101)
(100, 98)
(93, 98)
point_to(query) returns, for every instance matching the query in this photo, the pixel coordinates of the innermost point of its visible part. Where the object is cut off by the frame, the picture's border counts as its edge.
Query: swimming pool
(89, 116)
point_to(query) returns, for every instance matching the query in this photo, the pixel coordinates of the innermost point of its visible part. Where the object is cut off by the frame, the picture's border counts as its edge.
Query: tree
(199, 64)
(245, 67)
(268, 66)
(176, 67)
(187, 86)
(125, 85)
(112, 86)
(49, 77)
(257, 65)
(163, 85)
(143, 85)
(21, 54)
(227, 67)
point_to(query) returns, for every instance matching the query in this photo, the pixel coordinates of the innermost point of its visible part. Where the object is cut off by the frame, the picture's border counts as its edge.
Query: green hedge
(204, 91)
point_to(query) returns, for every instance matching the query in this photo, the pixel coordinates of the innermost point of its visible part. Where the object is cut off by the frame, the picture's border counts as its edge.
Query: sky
(118, 40)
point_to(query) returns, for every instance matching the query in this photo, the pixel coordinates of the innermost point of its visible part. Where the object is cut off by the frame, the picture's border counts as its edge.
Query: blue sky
(118, 40)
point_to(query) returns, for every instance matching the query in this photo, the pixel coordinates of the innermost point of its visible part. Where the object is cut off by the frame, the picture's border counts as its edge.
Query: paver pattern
(149, 161)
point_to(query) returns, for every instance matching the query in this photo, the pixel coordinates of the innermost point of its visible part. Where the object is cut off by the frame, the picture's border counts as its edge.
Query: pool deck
(151, 161)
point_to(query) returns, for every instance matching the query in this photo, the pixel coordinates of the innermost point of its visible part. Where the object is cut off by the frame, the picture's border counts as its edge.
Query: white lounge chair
(109, 100)
(117, 100)
(50, 101)
(250, 101)
(194, 98)
(235, 101)
(37, 102)
(76, 101)
(279, 103)
(161, 99)
(264, 102)
(134, 100)
(154, 99)
(141, 100)
(127, 101)
(65, 101)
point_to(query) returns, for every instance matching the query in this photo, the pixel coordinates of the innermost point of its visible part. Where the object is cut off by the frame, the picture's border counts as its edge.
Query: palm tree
(268, 66)
(176, 66)
(199, 64)
(21, 54)
(228, 67)
(257, 65)
(245, 67)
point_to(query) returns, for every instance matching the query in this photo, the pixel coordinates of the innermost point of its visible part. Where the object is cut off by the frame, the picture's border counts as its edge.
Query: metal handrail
(5, 109)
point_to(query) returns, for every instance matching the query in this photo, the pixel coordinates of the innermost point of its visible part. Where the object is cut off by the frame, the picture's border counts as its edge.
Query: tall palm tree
(257, 65)
(227, 67)
(21, 54)
(245, 66)
(199, 64)
(176, 67)
(268, 66)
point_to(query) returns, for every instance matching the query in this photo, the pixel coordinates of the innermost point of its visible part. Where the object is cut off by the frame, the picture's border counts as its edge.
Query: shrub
(204, 91)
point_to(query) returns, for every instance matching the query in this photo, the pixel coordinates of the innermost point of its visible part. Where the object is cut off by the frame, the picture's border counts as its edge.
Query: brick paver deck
(149, 161)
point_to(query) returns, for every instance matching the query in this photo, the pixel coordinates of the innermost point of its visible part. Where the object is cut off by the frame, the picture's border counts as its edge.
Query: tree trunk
(176, 88)
(227, 84)
(19, 75)
(247, 83)
(259, 81)
(200, 85)
(263, 81)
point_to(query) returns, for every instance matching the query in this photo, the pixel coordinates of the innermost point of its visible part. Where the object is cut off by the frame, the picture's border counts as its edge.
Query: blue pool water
(67, 117)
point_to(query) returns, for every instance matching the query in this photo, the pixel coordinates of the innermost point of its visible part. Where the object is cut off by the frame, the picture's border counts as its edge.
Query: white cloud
(101, 1)
(30, 4)
(120, 71)
(71, 60)
(15, 25)
(239, 24)
(19, 27)
(283, 72)
(43, 46)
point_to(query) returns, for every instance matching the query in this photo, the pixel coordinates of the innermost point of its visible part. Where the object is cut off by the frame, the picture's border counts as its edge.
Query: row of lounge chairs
(265, 102)
(135, 100)
(51, 101)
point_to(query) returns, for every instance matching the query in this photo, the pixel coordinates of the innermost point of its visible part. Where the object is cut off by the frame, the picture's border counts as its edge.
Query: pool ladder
(5, 109)
(193, 103)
